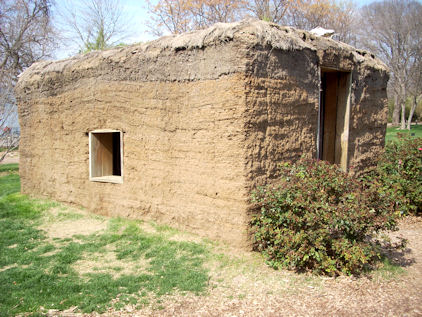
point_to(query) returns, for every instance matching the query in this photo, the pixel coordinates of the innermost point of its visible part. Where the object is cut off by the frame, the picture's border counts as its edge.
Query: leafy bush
(399, 173)
(319, 218)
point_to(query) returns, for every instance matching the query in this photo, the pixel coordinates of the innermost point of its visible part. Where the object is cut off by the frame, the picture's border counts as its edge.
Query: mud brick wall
(206, 118)
(182, 144)
(368, 117)
(281, 113)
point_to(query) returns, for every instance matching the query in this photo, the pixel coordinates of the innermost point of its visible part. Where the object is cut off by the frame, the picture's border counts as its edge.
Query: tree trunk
(412, 111)
(403, 115)
(396, 110)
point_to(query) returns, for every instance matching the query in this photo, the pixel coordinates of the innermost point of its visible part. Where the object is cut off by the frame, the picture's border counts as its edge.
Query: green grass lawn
(127, 264)
(391, 134)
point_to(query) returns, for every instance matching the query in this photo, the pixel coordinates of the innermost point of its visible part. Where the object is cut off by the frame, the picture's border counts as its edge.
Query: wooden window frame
(117, 179)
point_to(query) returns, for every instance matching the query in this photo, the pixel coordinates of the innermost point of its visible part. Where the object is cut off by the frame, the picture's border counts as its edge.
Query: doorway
(334, 116)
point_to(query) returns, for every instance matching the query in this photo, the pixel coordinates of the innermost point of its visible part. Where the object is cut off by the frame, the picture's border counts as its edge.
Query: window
(105, 156)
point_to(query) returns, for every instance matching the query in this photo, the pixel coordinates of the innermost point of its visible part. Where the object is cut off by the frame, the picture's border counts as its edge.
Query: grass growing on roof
(39, 271)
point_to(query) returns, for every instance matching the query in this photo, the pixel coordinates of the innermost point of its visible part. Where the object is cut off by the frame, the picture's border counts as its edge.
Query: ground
(263, 292)
(240, 283)
(12, 157)
(247, 287)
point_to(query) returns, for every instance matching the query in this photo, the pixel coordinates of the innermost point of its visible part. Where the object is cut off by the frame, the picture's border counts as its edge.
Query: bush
(399, 173)
(319, 218)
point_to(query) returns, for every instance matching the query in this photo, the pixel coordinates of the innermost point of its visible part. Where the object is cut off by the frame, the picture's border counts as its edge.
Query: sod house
(181, 129)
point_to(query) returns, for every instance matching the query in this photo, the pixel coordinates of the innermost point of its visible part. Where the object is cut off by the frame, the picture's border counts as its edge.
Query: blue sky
(363, 2)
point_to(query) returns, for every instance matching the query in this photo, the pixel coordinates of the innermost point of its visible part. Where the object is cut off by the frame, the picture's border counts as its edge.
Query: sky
(137, 12)
(138, 9)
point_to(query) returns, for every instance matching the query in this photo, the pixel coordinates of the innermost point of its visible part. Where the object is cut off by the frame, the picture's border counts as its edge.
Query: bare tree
(392, 29)
(178, 16)
(9, 141)
(168, 16)
(269, 10)
(24, 33)
(25, 37)
(415, 83)
(208, 12)
(93, 24)
(415, 71)
(329, 14)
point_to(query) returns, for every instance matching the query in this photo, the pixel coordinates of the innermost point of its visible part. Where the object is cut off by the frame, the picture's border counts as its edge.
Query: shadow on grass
(395, 257)
(398, 256)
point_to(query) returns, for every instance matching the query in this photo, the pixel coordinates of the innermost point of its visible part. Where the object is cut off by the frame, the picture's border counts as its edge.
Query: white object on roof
(319, 31)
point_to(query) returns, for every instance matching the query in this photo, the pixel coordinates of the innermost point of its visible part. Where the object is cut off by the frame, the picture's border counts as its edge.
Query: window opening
(105, 155)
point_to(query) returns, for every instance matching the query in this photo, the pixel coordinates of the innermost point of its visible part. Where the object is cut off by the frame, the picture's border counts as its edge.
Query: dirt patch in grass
(69, 228)
(108, 263)
(181, 236)
(8, 267)
(12, 157)
(148, 227)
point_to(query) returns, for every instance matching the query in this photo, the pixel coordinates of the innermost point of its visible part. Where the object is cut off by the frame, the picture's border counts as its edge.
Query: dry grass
(69, 228)
(107, 263)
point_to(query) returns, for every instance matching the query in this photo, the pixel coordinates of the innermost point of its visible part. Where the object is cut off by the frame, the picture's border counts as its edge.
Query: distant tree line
(392, 29)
